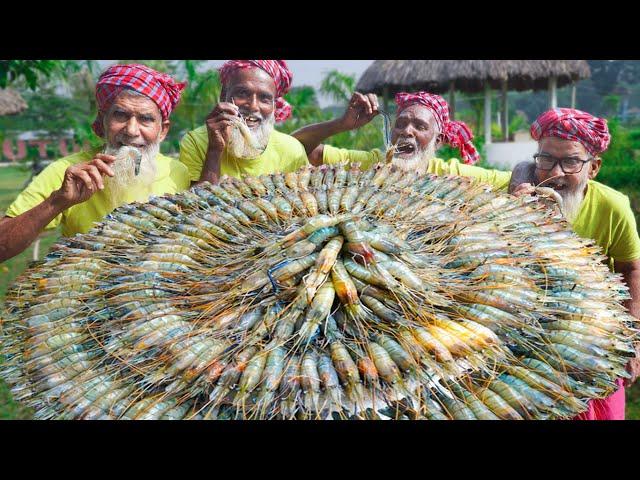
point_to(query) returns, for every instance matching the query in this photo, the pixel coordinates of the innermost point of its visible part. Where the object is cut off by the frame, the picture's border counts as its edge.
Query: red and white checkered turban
(159, 87)
(454, 133)
(572, 124)
(278, 70)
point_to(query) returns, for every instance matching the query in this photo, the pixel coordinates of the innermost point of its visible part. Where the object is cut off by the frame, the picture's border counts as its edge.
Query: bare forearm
(313, 135)
(17, 233)
(211, 168)
(523, 172)
(632, 279)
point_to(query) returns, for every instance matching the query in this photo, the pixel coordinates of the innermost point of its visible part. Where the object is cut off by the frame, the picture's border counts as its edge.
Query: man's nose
(556, 171)
(407, 131)
(133, 128)
(253, 104)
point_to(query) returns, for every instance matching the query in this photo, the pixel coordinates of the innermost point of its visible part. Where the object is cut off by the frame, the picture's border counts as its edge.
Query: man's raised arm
(523, 173)
(362, 109)
(79, 184)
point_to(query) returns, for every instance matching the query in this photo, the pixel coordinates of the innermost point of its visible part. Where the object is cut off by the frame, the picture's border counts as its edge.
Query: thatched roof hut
(11, 102)
(387, 77)
(468, 75)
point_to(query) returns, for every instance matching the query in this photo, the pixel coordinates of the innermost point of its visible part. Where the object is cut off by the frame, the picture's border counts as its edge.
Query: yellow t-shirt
(283, 154)
(606, 217)
(437, 166)
(171, 177)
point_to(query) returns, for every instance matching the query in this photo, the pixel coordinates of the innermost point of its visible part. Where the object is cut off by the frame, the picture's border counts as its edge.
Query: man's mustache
(409, 141)
(247, 114)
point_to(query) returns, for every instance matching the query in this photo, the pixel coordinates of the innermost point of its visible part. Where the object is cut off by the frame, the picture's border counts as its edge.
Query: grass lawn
(11, 181)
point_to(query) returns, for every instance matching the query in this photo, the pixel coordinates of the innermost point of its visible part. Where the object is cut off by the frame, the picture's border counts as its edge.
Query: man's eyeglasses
(568, 165)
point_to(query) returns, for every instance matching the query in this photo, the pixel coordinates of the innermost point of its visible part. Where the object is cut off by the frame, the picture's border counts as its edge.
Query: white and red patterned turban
(454, 133)
(159, 87)
(572, 124)
(277, 69)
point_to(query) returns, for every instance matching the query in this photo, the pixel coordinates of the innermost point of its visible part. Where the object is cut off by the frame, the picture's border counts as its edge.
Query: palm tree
(202, 93)
(338, 86)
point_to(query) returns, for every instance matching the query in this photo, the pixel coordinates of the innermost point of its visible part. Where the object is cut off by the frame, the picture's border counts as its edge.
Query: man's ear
(594, 167)
(99, 121)
(166, 124)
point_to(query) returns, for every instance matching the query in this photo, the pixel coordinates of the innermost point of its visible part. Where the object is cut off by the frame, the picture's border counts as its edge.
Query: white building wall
(505, 156)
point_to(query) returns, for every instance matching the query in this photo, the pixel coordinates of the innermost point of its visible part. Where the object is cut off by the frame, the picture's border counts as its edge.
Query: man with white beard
(238, 137)
(570, 143)
(422, 126)
(134, 104)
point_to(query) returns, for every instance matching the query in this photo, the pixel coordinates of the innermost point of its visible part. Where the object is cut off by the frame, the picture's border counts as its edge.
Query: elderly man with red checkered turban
(422, 125)
(134, 105)
(570, 145)
(238, 137)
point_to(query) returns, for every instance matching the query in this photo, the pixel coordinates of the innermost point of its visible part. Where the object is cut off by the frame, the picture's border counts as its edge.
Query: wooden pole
(553, 94)
(487, 113)
(573, 95)
(452, 100)
(505, 112)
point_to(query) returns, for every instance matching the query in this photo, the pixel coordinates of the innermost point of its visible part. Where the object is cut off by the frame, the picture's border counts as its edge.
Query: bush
(448, 152)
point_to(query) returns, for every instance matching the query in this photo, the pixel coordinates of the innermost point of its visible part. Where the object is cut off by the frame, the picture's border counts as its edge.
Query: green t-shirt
(606, 216)
(283, 154)
(436, 166)
(171, 177)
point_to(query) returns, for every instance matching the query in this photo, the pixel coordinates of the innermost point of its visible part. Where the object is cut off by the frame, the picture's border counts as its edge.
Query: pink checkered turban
(572, 124)
(454, 133)
(159, 87)
(278, 70)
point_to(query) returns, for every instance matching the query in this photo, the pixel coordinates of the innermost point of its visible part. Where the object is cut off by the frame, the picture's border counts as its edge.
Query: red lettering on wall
(62, 147)
(7, 150)
(42, 147)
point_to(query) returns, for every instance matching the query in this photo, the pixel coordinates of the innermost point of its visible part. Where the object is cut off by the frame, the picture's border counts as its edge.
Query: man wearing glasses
(570, 143)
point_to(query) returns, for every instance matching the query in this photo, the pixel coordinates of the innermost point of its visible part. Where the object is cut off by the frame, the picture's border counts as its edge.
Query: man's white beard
(125, 186)
(572, 200)
(419, 161)
(240, 147)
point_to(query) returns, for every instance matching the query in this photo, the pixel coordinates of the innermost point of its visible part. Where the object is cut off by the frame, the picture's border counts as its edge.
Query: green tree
(201, 94)
(611, 104)
(338, 86)
(305, 108)
(30, 71)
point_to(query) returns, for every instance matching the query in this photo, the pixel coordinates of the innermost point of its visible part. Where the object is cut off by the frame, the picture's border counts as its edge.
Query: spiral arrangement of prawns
(329, 293)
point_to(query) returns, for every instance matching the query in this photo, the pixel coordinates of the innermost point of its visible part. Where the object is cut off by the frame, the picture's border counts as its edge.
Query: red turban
(159, 87)
(454, 133)
(278, 70)
(572, 124)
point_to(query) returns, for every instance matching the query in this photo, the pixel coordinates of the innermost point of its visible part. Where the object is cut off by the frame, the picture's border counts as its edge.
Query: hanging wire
(386, 128)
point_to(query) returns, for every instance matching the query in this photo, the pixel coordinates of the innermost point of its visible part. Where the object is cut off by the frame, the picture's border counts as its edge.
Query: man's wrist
(211, 167)
(341, 124)
(58, 203)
